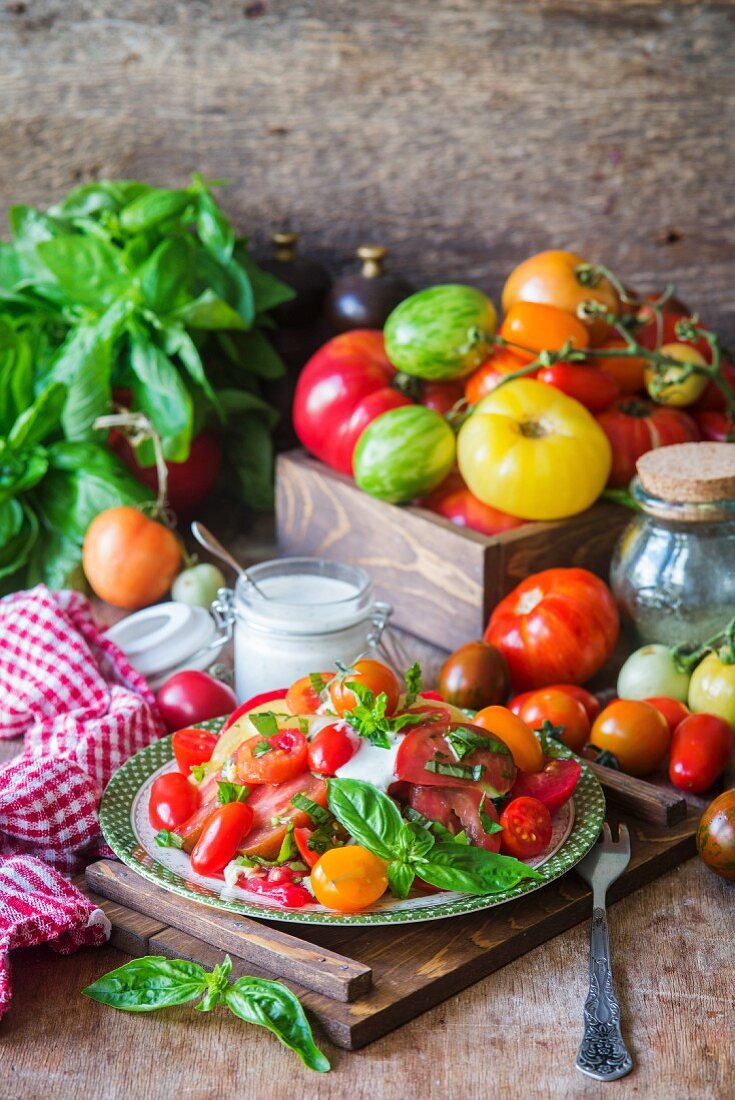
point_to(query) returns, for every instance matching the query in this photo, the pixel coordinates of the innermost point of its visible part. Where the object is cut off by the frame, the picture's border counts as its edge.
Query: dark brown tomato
(475, 676)
(716, 835)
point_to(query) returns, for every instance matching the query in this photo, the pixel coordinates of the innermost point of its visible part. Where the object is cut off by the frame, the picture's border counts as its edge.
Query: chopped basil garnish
(457, 771)
(288, 847)
(318, 682)
(369, 720)
(231, 792)
(317, 813)
(463, 741)
(198, 771)
(262, 748)
(265, 723)
(414, 683)
(166, 839)
(489, 825)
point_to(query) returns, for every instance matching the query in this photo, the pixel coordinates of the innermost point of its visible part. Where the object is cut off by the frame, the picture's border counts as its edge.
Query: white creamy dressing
(373, 764)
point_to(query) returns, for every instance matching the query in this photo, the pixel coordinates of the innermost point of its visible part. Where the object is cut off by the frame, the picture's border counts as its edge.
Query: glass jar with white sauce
(300, 616)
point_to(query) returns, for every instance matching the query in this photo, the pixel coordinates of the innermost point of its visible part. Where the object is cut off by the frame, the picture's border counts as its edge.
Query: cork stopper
(372, 256)
(285, 246)
(689, 473)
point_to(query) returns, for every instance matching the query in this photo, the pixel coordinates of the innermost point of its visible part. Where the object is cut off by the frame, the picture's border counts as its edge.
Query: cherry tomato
(304, 695)
(272, 803)
(716, 835)
(560, 624)
(589, 701)
(192, 747)
(173, 800)
(594, 388)
(712, 688)
(670, 387)
(332, 747)
(255, 703)
(673, 710)
(500, 364)
(526, 828)
(425, 757)
(559, 708)
(273, 759)
(700, 750)
(223, 832)
(636, 733)
(301, 836)
(635, 426)
(458, 810)
(627, 370)
(541, 327)
(474, 676)
(523, 743)
(715, 426)
(453, 500)
(553, 785)
(651, 670)
(190, 697)
(373, 675)
(348, 879)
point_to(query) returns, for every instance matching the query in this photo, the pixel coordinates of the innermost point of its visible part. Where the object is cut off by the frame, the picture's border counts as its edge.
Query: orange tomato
(374, 675)
(551, 279)
(636, 733)
(564, 712)
(628, 371)
(129, 559)
(542, 328)
(515, 733)
(487, 377)
(348, 879)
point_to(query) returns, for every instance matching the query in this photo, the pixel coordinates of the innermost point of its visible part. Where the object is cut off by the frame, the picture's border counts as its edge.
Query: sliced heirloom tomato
(553, 785)
(273, 811)
(272, 759)
(301, 836)
(458, 810)
(526, 823)
(455, 755)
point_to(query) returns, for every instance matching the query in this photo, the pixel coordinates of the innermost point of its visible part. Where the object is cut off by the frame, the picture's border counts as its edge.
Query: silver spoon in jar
(206, 539)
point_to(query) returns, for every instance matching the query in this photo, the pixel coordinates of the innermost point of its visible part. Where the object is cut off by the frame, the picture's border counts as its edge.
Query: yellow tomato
(348, 879)
(533, 452)
(669, 387)
(515, 733)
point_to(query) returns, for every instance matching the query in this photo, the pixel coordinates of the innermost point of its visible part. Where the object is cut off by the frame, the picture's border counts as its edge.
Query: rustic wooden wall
(463, 133)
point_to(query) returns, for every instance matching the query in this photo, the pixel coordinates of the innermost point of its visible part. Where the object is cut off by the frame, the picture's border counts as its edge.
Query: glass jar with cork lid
(673, 570)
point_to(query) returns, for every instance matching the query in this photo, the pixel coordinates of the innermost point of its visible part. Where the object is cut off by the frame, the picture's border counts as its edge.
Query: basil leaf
(84, 364)
(178, 342)
(265, 723)
(262, 748)
(143, 985)
(400, 878)
(231, 792)
(472, 870)
(268, 291)
(166, 839)
(215, 231)
(255, 351)
(414, 683)
(91, 198)
(56, 561)
(415, 840)
(11, 520)
(160, 392)
(165, 275)
(367, 814)
(271, 1005)
(489, 824)
(457, 771)
(464, 741)
(210, 312)
(86, 269)
(317, 813)
(20, 472)
(236, 402)
(40, 419)
(152, 208)
(16, 551)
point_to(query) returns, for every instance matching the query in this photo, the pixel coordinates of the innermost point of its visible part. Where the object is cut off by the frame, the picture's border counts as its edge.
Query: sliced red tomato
(173, 800)
(191, 747)
(276, 885)
(553, 785)
(301, 836)
(332, 747)
(272, 802)
(527, 827)
(272, 759)
(223, 831)
(251, 704)
(304, 695)
(441, 754)
(457, 810)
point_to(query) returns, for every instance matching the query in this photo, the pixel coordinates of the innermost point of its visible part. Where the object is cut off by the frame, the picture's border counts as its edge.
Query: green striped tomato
(441, 332)
(404, 453)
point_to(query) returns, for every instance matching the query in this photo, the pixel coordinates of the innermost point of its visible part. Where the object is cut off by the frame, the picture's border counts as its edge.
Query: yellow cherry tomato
(348, 879)
(515, 733)
(670, 387)
(533, 452)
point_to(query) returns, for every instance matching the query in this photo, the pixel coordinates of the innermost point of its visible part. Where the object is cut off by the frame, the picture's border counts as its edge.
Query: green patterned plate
(124, 820)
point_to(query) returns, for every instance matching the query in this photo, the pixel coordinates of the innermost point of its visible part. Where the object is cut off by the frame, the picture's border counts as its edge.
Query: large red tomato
(635, 426)
(344, 386)
(558, 626)
(189, 482)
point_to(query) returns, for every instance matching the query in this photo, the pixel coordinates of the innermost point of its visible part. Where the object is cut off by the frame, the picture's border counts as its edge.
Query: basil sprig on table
(153, 982)
(410, 848)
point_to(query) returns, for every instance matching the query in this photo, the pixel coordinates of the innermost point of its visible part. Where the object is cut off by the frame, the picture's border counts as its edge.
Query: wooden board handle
(640, 797)
(278, 952)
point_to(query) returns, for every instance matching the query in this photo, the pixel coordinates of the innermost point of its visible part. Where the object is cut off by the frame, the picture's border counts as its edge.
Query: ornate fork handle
(603, 1053)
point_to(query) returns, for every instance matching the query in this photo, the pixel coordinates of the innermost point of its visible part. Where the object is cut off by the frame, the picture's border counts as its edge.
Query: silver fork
(603, 1054)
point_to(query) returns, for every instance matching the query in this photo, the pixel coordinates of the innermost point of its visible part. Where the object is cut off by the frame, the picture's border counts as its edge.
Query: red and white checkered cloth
(82, 710)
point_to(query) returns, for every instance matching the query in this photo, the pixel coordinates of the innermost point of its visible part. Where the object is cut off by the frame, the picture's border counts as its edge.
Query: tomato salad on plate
(349, 786)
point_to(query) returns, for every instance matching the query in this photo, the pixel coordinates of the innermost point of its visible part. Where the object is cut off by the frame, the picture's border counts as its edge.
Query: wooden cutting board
(384, 976)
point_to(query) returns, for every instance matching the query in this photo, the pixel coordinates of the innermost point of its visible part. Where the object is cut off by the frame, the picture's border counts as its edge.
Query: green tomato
(712, 688)
(442, 332)
(198, 586)
(404, 453)
(651, 671)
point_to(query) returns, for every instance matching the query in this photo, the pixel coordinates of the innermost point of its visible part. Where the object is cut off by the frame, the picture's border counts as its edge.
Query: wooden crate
(442, 580)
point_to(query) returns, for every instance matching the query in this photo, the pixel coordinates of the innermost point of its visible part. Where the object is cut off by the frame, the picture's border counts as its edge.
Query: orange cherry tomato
(500, 364)
(304, 695)
(589, 701)
(373, 675)
(542, 328)
(130, 560)
(559, 708)
(554, 279)
(673, 711)
(348, 879)
(628, 371)
(636, 733)
(515, 733)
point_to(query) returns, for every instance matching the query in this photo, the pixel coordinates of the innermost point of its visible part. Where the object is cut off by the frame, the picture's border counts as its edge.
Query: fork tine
(606, 834)
(623, 836)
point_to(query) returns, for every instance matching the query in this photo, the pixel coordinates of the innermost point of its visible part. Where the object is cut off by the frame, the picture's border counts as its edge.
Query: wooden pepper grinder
(309, 280)
(367, 299)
